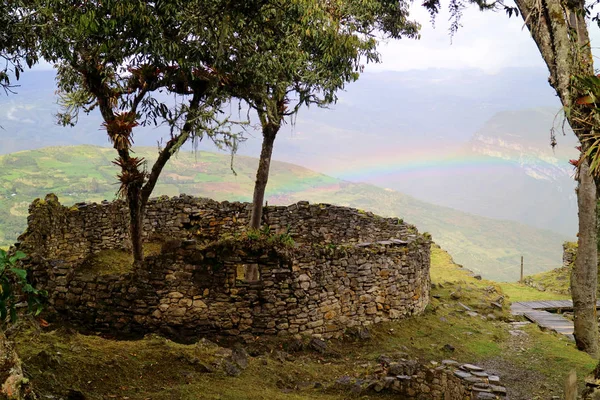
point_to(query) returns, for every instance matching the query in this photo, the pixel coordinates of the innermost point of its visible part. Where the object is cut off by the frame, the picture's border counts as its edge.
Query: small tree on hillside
(300, 54)
(117, 56)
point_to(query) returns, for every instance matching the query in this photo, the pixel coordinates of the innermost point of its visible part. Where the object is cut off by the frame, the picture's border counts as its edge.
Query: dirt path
(522, 383)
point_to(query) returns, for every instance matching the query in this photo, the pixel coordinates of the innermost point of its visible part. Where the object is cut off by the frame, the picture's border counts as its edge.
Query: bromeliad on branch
(130, 174)
(120, 129)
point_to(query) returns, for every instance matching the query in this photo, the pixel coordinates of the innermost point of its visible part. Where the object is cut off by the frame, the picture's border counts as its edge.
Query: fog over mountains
(464, 139)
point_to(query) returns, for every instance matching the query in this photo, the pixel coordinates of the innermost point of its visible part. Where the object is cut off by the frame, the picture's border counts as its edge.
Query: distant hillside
(507, 170)
(462, 139)
(85, 173)
(522, 138)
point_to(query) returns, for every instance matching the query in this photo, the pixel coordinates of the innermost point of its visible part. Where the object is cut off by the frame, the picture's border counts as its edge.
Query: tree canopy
(297, 53)
(123, 58)
(177, 63)
(17, 41)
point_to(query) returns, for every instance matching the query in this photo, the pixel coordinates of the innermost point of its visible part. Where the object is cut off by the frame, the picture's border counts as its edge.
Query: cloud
(43, 65)
(11, 114)
(489, 41)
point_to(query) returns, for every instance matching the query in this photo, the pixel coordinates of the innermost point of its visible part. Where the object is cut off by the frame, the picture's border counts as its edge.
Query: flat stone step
(543, 305)
(554, 322)
(536, 311)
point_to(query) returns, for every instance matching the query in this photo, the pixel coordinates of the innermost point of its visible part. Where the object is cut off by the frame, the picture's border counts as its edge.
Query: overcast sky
(487, 40)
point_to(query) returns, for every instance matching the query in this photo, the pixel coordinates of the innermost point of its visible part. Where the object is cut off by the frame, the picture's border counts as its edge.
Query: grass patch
(426, 336)
(115, 261)
(521, 292)
(444, 269)
(159, 369)
(542, 361)
(553, 354)
(557, 280)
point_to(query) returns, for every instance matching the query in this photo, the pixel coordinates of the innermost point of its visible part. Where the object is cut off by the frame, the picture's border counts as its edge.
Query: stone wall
(410, 379)
(569, 253)
(329, 280)
(73, 233)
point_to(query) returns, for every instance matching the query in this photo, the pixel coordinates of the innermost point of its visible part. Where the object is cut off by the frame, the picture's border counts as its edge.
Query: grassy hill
(85, 173)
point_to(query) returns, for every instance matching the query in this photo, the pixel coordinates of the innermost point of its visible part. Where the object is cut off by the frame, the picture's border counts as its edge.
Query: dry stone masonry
(410, 379)
(345, 268)
(569, 253)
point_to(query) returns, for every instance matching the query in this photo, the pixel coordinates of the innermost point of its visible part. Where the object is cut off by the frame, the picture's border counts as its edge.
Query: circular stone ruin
(314, 269)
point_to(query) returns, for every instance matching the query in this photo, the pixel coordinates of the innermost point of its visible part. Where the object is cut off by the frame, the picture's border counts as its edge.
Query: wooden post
(521, 281)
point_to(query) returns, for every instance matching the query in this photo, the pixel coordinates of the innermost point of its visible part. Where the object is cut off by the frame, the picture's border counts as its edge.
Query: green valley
(85, 173)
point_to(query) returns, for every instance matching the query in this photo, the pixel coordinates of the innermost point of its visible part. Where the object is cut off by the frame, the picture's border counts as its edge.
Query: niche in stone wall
(193, 224)
(247, 273)
(209, 275)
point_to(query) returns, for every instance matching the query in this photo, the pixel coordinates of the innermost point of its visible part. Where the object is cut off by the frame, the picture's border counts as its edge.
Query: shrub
(14, 286)
(266, 233)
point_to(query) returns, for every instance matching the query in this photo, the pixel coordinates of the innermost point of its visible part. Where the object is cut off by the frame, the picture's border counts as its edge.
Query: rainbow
(426, 164)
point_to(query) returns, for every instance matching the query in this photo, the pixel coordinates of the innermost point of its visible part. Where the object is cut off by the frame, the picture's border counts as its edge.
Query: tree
(17, 42)
(559, 29)
(300, 53)
(117, 56)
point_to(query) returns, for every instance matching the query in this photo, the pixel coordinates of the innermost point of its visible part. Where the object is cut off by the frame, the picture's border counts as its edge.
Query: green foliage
(298, 53)
(13, 281)
(281, 55)
(117, 56)
(266, 230)
(284, 239)
(17, 41)
(266, 234)
(254, 234)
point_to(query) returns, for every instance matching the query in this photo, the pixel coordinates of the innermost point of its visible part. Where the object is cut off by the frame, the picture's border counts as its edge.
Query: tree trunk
(138, 193)
(262, 175)
(560, 32)
(13, 385)
(584, 278)
(132, 179)
(136, 222)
